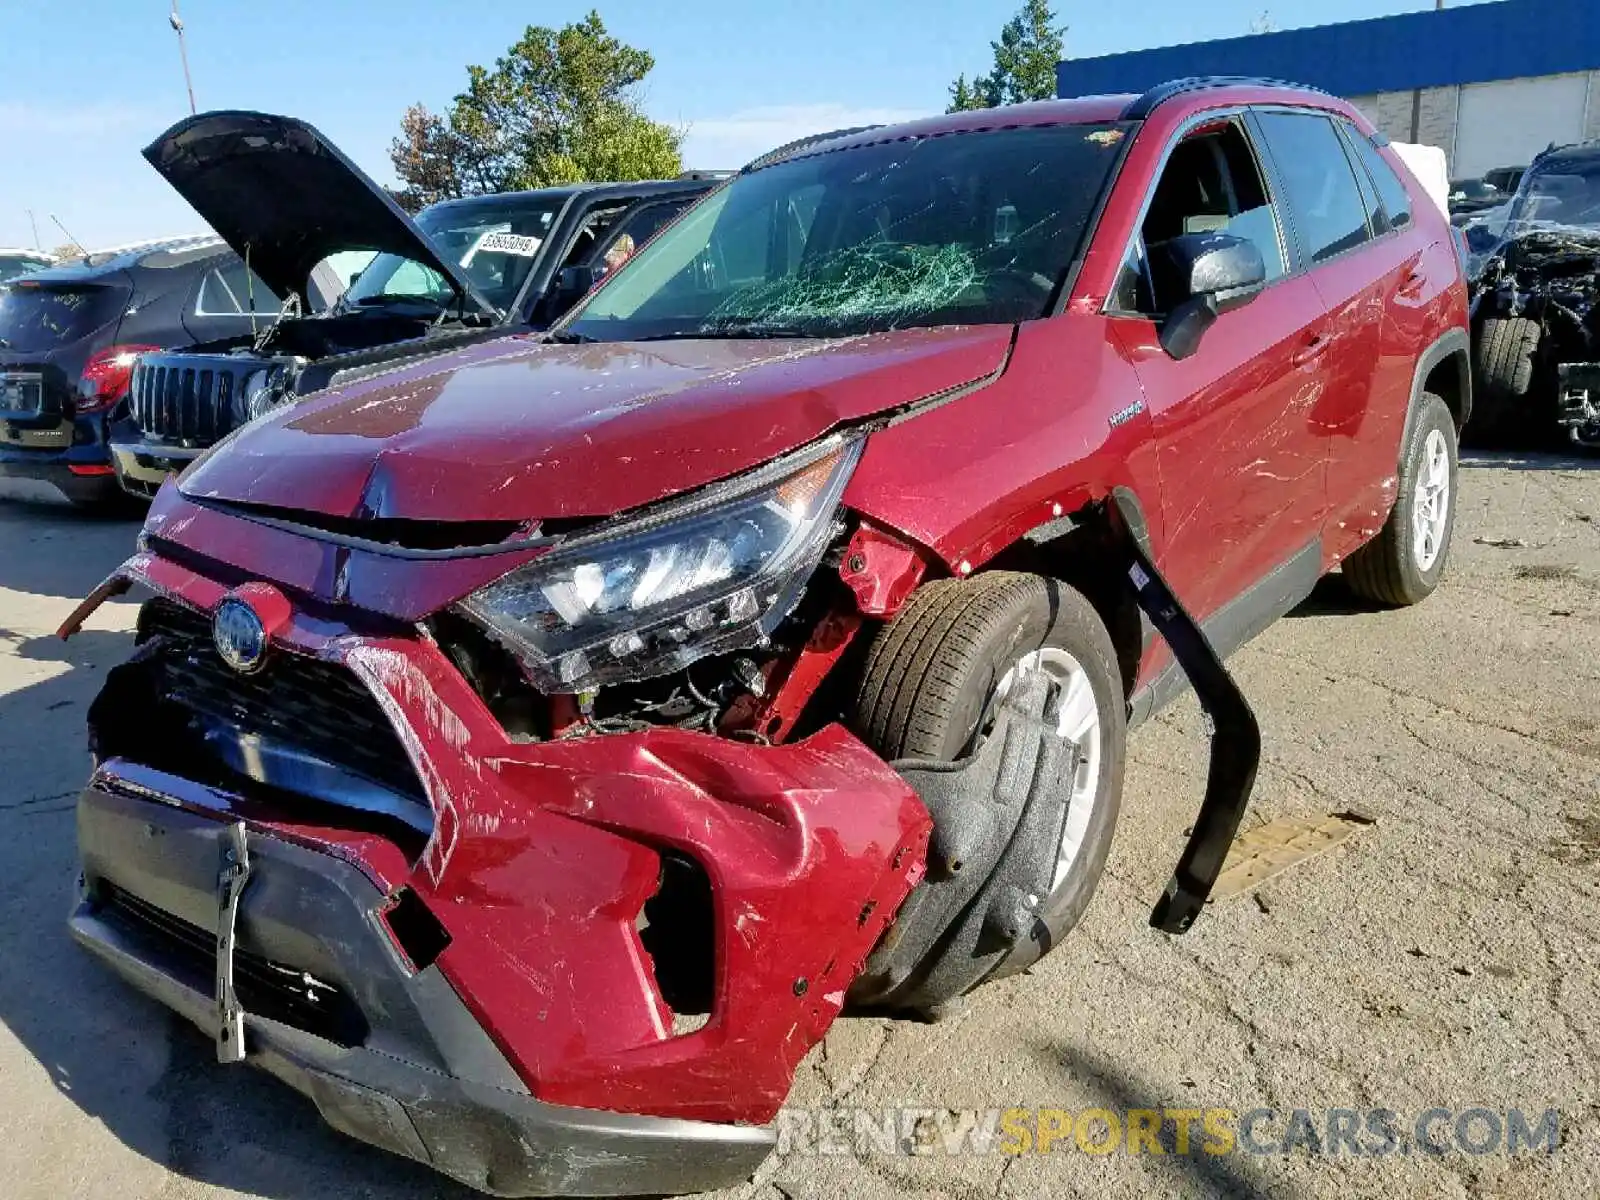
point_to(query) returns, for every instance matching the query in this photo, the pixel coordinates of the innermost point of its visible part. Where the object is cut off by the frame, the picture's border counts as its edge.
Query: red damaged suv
(530, 751)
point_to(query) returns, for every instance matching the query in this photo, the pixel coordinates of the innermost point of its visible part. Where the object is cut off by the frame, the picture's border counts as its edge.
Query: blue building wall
(1478, 43)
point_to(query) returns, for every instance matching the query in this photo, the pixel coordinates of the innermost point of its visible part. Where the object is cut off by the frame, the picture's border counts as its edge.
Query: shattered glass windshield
(1556, 212)
(1568, 195)
(495, 240)
(962, 228)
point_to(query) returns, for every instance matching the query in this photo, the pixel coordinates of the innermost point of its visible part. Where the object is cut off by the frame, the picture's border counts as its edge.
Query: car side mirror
(1206, 275)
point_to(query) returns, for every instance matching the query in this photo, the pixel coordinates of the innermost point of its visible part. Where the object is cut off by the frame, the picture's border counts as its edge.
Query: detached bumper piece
(1235, 738)
(421, 1079)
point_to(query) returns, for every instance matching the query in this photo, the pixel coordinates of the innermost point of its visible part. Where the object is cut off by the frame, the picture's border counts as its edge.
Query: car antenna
(81, 247)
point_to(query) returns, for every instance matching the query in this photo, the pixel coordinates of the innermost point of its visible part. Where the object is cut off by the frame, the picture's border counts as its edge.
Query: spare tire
(1505, 407)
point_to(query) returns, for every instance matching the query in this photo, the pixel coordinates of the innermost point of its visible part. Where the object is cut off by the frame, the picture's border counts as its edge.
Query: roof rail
(1141, 108)
(162, 243)
(799, 144)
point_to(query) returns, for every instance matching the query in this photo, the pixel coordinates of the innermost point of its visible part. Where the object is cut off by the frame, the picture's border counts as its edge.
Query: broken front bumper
(525, 1042)
(389, 1055)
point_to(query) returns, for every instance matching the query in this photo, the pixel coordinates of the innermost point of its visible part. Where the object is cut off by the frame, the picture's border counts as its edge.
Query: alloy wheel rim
(1078, 722)
(1430, 506)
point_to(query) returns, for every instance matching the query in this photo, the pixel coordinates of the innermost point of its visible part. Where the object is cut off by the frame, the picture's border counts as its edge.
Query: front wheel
(1505, 409)
(1404, 563)
(957, 647)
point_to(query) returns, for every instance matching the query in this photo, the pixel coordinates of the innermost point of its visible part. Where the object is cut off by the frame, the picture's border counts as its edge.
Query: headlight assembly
(254, 397)
(649, 595)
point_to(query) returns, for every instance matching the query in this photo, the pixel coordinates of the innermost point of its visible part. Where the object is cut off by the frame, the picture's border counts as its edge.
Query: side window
(231, 291)
(413, 279)
(591, 234)
(1324, 200)
(1212, 183)
(1396, 200)
(627, 236)
(1376, 220)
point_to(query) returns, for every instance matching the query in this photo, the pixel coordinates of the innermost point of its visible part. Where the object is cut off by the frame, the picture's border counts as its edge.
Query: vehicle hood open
(517, 429)
(285, 198)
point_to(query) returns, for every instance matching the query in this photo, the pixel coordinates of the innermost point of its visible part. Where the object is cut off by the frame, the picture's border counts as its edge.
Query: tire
(1394, 568)
(931, 672)
(1507, 355)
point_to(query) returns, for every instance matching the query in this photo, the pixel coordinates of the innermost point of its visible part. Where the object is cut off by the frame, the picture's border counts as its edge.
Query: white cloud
(729, 142)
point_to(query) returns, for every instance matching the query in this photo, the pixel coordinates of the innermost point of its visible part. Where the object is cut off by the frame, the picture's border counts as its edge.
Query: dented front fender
(543, 856)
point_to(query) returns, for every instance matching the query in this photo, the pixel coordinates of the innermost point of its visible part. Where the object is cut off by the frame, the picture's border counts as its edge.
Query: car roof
(1198, 93)
(171, 252)
(24, 252)
(559, 195)
(1585, 154)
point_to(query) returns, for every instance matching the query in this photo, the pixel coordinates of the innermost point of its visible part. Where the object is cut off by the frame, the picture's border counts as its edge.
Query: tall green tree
(1025, 58)
(560, 106)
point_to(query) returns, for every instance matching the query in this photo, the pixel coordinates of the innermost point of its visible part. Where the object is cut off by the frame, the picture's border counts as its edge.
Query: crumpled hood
(516, 429)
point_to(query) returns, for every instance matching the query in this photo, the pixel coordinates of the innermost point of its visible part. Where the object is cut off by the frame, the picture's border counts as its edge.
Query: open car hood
(285, 198)
(516, 429)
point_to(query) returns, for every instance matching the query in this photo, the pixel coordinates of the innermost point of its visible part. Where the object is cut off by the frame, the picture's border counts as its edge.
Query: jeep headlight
(651, 594)
(254, 396)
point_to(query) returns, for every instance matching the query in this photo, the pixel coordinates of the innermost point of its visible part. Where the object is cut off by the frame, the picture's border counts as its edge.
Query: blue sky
(88, 82)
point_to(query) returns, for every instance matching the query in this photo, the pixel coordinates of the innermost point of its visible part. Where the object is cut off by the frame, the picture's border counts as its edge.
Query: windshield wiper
(567, 338)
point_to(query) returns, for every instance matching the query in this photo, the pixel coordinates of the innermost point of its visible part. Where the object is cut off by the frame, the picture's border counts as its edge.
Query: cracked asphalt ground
(1446, 955)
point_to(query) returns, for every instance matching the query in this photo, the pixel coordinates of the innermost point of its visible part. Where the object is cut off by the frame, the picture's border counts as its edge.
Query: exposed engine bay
(1536, 302)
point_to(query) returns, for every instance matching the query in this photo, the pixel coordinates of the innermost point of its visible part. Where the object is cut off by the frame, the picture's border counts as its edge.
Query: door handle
(1313, 349)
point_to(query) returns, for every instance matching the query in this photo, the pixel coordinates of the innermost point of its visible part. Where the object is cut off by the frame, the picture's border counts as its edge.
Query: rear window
(36, 318)
(232, 291)
(1396, 200)
(12, 265)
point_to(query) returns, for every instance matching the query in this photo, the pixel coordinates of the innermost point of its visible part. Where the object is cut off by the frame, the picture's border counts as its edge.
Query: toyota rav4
(529, 752)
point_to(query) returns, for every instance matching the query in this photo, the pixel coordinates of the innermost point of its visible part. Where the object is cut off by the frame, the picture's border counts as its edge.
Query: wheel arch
(1079, 548)
(1445, 370)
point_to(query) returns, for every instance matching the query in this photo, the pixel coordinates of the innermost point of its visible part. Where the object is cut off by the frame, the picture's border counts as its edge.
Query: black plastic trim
(1235, 742)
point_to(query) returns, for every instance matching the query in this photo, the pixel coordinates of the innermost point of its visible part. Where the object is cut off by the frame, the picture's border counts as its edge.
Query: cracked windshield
(968, 228)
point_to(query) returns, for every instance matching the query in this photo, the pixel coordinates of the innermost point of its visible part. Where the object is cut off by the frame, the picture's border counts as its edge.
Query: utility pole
(183, 53)
(1416, 95)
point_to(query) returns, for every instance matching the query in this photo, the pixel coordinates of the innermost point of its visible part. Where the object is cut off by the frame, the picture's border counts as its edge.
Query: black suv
(70, 334)
(288, 200)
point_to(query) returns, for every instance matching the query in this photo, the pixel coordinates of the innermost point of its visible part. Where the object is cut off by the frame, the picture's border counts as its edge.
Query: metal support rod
(183, 53)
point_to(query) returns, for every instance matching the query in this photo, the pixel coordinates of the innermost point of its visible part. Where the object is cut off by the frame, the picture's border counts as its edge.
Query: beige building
(1489, 84)
(1481, 126)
